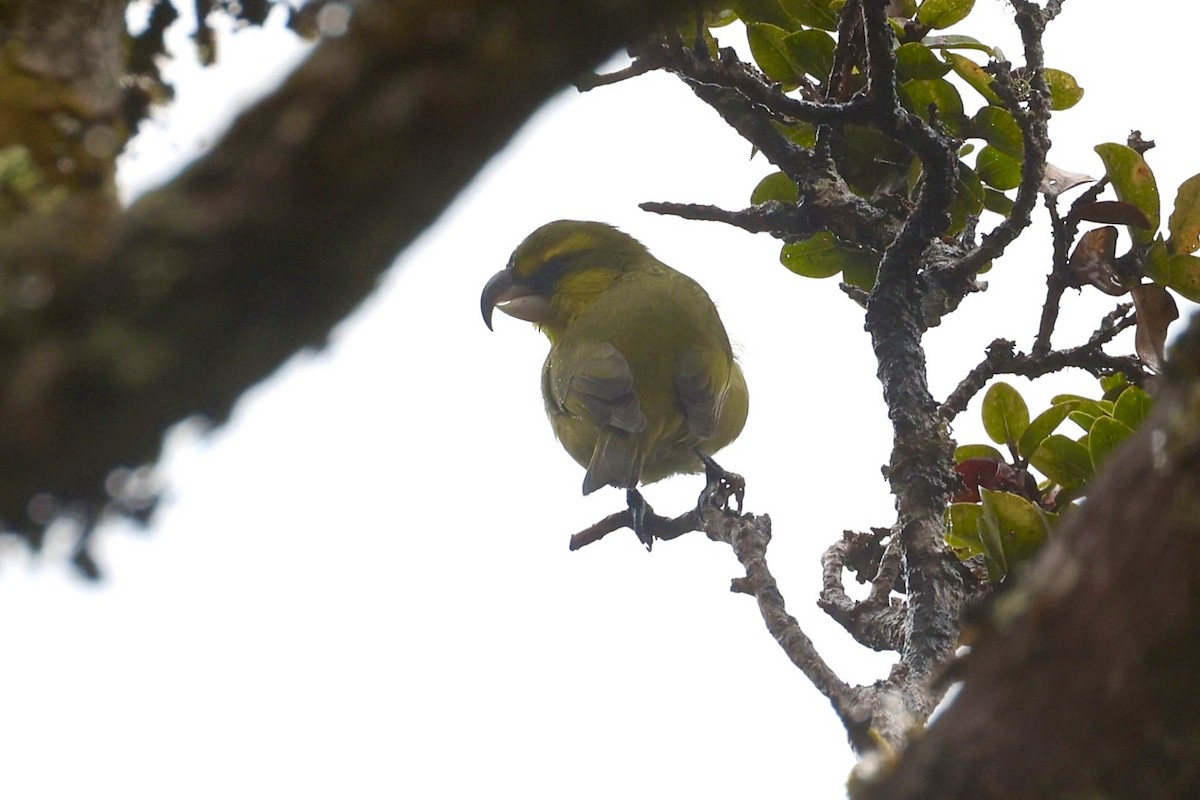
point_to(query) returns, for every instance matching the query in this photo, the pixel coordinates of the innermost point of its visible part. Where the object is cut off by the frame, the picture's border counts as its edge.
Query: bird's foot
(722, 486)
(639, 510)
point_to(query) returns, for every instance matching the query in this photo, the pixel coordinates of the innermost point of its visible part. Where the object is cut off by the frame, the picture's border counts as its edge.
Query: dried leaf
(1156, 310)
(1115, 212)
(1094, 260)
(1056, 181)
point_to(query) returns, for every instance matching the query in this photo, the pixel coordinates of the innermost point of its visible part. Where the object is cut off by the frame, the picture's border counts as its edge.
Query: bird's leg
(722, 485)
(639, 509)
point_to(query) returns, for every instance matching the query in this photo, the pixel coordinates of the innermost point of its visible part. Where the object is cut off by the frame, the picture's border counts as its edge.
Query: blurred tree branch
(118, 324)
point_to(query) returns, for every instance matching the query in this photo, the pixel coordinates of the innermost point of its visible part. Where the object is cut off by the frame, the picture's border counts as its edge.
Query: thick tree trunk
(1086, 678)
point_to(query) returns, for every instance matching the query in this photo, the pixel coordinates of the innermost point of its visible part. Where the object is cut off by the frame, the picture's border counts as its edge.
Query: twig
(773, 217)
(879, 621)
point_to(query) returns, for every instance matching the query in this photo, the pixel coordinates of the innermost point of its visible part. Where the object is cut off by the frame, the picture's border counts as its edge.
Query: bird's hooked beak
(515, 299)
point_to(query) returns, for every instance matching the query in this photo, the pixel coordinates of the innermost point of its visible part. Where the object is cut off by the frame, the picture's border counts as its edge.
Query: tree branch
(208, 284)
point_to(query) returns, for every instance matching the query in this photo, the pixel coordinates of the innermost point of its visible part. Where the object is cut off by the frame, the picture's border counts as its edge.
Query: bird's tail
(614, 462)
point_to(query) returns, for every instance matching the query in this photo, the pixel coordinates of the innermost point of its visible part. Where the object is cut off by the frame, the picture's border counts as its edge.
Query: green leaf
(997, 169)
(997, 127)
(997, 201)
(1184, 223)
(1023, 527)
(769, 11)
(871, 162)
(1063, 460)
(1042, 426)
(915, 61)
(918, 95)
(1133, 406)
(823, 255)
(861, 273)
(775, 186)
(975, 77)
(811, 52)
(968, 199)
(938, 14)
(1104, 437)
(800, 133)
(1134, 183)
(814, 13)
(965, 451)
(770, 53)
(963, 532)
(1094, 408)
(1183, 273)
(1064, 90)
(1005, 415)
(954, 41)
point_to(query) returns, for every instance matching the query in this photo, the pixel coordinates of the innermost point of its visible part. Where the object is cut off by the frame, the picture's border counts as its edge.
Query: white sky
(358, 589)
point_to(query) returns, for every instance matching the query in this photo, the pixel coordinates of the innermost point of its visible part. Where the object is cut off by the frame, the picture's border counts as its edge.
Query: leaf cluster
(1003, 513)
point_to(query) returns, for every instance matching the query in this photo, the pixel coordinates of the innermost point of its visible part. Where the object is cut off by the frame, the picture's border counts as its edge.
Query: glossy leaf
(963, 532)
(1104, 437)
(768, 11)
(975, 77)
(1184, 223)
(954, 41)
(770, 53)
(814, 13)
(1064, 90)
(1156, 310)
(1134, 183)
(997, 201)
(915, 61)
(997, 127)
(1023, 527)
(967, 451)
(1180, 273)
(998, 170)
(902, 9)
(919, 95)
(1133, 406)
(1063, 460)
(938, 14)
(822, 255)
(1005, 415)
(1042, 426)
(811, 52)
(775, 186)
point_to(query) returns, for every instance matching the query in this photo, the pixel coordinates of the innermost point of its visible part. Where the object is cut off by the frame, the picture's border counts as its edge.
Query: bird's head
(558, 271)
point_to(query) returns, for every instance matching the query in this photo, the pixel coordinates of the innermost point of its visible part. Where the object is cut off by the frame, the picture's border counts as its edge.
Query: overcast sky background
(360, 587)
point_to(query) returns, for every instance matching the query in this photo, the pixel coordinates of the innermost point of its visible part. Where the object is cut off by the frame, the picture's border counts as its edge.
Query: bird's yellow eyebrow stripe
(580, 240)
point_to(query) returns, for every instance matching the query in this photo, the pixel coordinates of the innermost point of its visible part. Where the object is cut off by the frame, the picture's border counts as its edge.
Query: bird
(641, 382)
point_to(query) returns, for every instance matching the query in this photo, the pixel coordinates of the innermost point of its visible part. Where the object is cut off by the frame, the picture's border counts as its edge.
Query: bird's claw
(721, 487)
(638, 510)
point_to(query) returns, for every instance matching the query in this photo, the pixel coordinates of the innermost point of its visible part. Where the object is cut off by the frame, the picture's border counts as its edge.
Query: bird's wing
(595, 383)
(701, 389)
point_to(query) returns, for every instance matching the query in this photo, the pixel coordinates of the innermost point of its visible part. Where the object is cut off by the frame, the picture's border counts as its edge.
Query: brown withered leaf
(1094, 260)
(1156, 310)
(1114, 212)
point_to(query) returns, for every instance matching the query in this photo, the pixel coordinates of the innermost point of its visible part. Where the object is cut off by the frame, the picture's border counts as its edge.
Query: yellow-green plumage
(640, 372)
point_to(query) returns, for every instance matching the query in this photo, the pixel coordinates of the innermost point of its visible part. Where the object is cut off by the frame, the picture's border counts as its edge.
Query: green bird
(641, 382)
